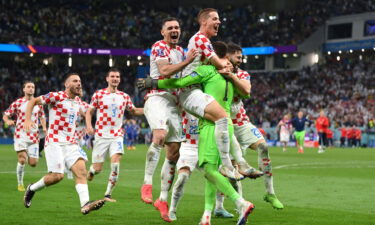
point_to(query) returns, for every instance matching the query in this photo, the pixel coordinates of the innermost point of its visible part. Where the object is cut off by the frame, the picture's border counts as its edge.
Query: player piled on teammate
(322, 124)
(299, 124)
(110, 105)
(61, 147)
(163, 116)
(186, 164)
(200, 104)
(26, 144)
(285, 128)
(247, 135)
(209, 157)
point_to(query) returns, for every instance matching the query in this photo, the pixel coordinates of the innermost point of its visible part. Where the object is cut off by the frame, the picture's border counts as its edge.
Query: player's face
(212, 24)
(113, 79)
(73, 84)
(236, 58)
(321, 113)
(300, 114)
(29, 89)
(171, 32)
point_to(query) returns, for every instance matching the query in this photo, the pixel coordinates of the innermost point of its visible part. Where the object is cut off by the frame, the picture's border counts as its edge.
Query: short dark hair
(169, 19)
(69, 75)
(221, 49)
(203, 14)
(113, 69)
(27, 82)
(233, 48)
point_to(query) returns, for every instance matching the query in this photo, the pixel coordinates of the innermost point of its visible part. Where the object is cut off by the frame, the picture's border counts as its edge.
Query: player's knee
(32, 164)
(56, 177)
(173, 156)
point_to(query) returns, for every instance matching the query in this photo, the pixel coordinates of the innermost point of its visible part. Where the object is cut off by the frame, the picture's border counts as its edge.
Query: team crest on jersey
(210, 47)
(160, 52)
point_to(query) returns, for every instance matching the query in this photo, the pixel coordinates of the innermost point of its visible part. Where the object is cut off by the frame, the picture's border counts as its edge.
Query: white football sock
(83, 193)
(222, 141)
(235, 150)
(219, 200)
(264, 163)
(167, 175)
(113, 177)
(20, 173)
(152, 159)
(178, 190)
(38, 185)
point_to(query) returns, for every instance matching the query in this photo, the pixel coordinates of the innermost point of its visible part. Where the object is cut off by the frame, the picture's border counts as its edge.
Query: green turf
(336, 188)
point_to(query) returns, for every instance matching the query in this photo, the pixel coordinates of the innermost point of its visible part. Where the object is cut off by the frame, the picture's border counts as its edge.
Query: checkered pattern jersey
(238, 112)
(205, 51)
(63, 113)
(162, 51)
(110, 108)
(190, 128)
(81, 128)
(18, 108)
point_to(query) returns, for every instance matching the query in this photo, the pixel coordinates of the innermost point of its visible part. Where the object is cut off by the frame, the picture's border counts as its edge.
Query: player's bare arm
(136, 111)
(8, 121)
(28, 124)
(166, 69)
(88, 118)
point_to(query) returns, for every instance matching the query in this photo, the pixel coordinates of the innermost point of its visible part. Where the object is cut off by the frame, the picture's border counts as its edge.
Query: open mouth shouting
(216, 27)
(174, 37)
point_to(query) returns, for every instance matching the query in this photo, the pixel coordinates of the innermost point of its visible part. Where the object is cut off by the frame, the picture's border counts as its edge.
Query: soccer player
(322, 124)
(247, 135)
(186, 164)
(209, 157)
(343, 130)
(285, 127)
(61, 147)
(200, 104)
(110, 105)
(26, 144)
(358, 137)
(162, 113)
(298, 124)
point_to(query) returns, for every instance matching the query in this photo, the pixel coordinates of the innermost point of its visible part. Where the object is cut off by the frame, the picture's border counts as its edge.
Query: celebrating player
(61, 147)
(162, 113)
(284, 127)
(110, 105)
(322, 124)
(245, 132)
(26, 144)
(299, 123)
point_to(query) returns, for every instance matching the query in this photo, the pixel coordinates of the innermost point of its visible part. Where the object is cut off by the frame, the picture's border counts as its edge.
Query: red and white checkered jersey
(238, 112)
(81, 128)
(190, 128)
(63, 113)
(18, 108)
(110, 108)
(162, 51)
(205, 51)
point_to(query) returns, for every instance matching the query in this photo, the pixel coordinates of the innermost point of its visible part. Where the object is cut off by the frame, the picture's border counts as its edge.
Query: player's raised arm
(166, 69)
(28, 124)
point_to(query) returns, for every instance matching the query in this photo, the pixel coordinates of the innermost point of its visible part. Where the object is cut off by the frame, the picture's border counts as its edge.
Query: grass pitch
(337, 187)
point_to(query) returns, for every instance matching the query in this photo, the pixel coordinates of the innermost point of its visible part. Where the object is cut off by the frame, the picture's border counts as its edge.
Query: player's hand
(147, 83)
(90, 130)
(10, 122)
(28, 125)
(191, 54)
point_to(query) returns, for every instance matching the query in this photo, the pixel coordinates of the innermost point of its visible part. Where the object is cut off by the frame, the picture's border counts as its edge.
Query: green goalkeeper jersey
(213, 83)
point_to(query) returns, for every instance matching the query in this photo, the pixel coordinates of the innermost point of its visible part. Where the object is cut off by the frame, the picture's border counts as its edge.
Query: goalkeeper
(214, 84)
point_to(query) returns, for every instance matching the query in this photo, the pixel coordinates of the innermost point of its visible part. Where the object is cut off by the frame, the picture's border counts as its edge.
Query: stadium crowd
(345, 89)
(92, 24)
